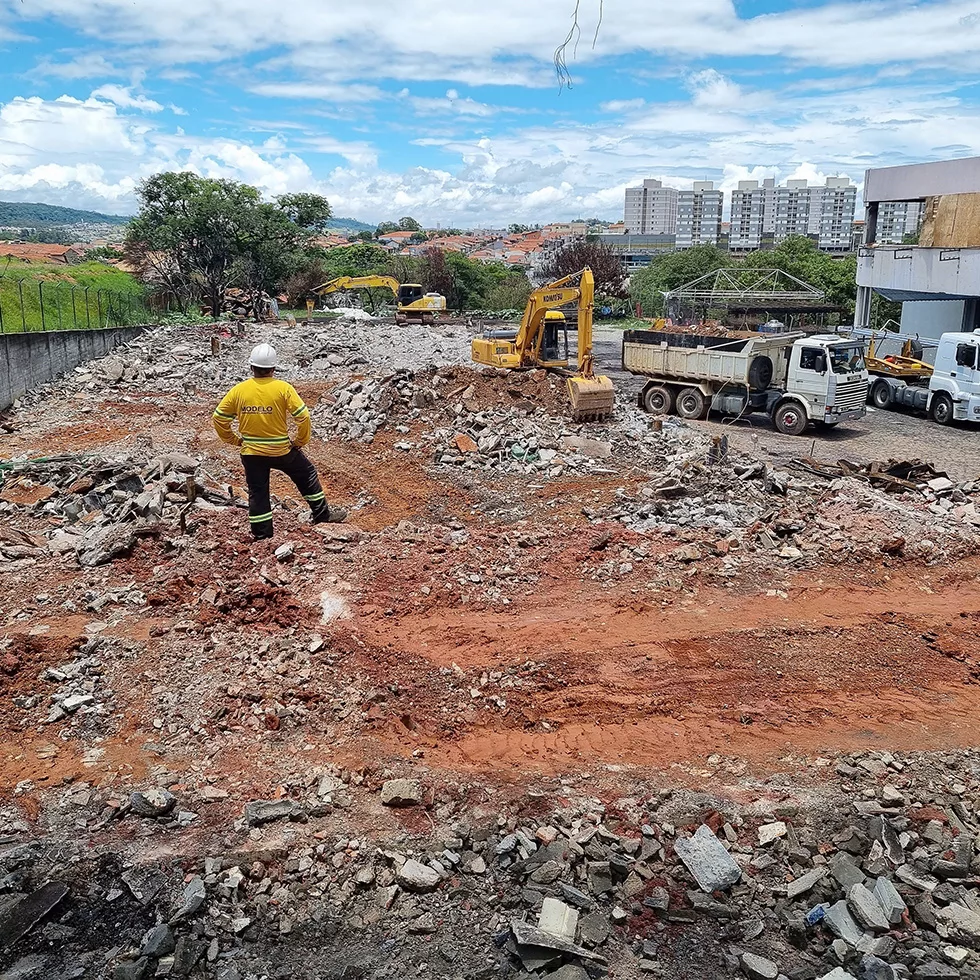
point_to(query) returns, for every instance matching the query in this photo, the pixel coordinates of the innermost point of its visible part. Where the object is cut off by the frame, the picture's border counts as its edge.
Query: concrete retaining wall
(31, 359)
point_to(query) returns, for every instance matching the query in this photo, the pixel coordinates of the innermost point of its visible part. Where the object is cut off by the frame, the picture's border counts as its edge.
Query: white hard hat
(263, 356)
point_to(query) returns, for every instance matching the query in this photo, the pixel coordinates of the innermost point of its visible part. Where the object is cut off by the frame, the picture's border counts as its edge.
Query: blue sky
(452, 112)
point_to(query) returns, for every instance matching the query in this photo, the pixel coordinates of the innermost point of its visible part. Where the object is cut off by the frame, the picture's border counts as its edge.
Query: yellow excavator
(414, 304)
(537, 344)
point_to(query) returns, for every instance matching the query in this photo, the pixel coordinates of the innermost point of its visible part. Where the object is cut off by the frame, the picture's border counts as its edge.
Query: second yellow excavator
(537, 344)
(414, 304)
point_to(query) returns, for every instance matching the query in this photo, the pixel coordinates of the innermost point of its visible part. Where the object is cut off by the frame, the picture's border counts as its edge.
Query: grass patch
(38, 296)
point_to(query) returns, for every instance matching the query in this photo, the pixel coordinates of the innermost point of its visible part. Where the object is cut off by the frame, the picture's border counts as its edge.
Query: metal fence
(28, 305)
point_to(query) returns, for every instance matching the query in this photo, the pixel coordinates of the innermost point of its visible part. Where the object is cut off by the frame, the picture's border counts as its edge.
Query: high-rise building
(896, 219)
(753, 214)
(651, 209)
(767, 213)
(833, 206)
(699, 215)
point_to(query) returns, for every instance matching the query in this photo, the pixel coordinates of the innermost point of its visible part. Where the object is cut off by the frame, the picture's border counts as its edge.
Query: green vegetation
(88, 295)
(196, 237)
(797, 255)
(22, 214)
(349, 225)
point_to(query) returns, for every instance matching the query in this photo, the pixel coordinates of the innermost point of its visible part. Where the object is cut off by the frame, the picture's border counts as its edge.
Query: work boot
(332, 515)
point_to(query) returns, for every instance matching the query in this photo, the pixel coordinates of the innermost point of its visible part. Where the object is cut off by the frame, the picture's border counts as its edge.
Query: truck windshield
(844, 360)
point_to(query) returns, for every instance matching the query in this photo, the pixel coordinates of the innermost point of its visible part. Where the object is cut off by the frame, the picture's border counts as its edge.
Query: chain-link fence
(29, 305)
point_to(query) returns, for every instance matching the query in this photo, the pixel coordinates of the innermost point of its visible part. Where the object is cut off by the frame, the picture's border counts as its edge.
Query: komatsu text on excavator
(414, 304)
(537, 344)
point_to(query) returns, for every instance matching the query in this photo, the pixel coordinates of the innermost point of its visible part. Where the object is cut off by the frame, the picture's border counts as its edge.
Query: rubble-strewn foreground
(560, 701)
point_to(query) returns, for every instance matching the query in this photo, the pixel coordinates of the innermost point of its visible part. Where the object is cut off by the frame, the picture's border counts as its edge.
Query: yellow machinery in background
(904, 365)
(536, 344)
(414, 304)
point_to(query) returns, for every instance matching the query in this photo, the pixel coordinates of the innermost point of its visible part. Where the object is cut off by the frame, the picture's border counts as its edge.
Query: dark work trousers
(299, 469)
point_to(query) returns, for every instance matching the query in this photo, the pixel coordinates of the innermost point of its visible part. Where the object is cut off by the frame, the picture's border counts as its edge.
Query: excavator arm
(357, 282)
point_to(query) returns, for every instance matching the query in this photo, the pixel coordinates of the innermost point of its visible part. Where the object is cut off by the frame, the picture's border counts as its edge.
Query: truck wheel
(881, 394)
(658, 400)
(790, 418)
(691, 404)
(760, 372)
(941, 409)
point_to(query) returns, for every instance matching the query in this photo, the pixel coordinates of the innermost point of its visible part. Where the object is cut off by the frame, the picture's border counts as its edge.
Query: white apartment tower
(699, 215)
(834, 202)
(651, 209)
(896, 219)
(753, 214)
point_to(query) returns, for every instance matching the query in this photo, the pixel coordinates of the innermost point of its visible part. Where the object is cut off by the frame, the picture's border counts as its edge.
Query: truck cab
(954, 388)
(827, 375)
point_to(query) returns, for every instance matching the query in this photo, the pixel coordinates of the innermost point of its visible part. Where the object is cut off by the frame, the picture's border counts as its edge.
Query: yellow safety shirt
(262, 407)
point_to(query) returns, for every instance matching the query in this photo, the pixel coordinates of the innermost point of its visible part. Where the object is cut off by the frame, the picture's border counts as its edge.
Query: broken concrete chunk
(770, 832)
(259, 812)
(401, 792)
(104, 544)
(838, 973)
(866, 909)
(758, 967)
(803, 884)
(890, 901)
(158, 941)
(527, 935)
(960, 919)
(841, 923)
(152, 802)
(17, 919)
(558, 919)
(194, 894)
(712, 867)
(417, 877)
(845, 872)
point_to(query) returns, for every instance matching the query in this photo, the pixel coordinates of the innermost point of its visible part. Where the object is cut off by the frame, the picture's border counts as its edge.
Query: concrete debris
(259, 812)
(758, 967)
(401, 792)
(418, 877)
(712, 867)
(152, 802)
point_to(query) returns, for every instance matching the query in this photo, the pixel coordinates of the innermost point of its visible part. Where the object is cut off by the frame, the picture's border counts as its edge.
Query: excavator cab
(409, 292)
(554, 325)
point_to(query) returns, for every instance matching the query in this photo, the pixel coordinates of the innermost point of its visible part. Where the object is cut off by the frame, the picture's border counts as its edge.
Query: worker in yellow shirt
(263, 405)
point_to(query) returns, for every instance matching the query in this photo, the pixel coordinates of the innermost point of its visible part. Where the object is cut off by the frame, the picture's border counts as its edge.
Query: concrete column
(871, 223)
(862, 307)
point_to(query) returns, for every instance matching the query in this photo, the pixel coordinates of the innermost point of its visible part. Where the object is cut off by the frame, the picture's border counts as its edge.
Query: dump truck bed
(695, 357)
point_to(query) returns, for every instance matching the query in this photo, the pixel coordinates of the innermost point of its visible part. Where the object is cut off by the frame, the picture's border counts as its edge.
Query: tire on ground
(657, 399)
(881, 394)
(692, 404)
(941, 409)
(790, 418)
(760, 372)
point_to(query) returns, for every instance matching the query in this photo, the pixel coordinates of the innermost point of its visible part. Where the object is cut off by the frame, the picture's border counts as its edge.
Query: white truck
(793, 378)
(951, 394)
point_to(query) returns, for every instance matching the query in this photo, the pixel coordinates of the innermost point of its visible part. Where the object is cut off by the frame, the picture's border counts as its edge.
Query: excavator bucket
(592, 398)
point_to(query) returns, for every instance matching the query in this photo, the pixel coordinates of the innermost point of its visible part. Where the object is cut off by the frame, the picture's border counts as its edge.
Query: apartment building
(699, 215)
(896, 219)
(834, 203)
(753, 214)
(651, 209)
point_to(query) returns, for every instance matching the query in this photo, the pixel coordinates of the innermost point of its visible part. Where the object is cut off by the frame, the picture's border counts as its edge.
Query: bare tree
(610, 276)
(572, 38)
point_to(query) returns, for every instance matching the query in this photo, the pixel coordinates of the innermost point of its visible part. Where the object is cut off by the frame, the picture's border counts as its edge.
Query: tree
(364, 236)
(385, 228)
(670, 270)
(419, 237)
(518, 229)
(409, 224)
(199, 236)
(610, 276)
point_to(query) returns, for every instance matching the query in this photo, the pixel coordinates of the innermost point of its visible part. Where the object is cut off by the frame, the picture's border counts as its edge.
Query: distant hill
(349, 224)
(28, 215)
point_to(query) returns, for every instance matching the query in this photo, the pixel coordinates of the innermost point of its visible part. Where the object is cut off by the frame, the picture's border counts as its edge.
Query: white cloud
(711, 88)
(123, 97)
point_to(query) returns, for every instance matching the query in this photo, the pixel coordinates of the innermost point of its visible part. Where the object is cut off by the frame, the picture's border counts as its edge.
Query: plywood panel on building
(951, 221)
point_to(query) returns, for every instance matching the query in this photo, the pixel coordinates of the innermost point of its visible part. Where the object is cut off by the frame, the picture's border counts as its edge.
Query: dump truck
(950, 392)
(793, 378)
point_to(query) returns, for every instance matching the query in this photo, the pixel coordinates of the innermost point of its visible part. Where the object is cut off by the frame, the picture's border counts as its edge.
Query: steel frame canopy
(751, 289)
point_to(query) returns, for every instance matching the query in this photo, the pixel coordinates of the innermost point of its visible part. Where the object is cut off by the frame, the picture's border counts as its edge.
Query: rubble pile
(881, 883)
